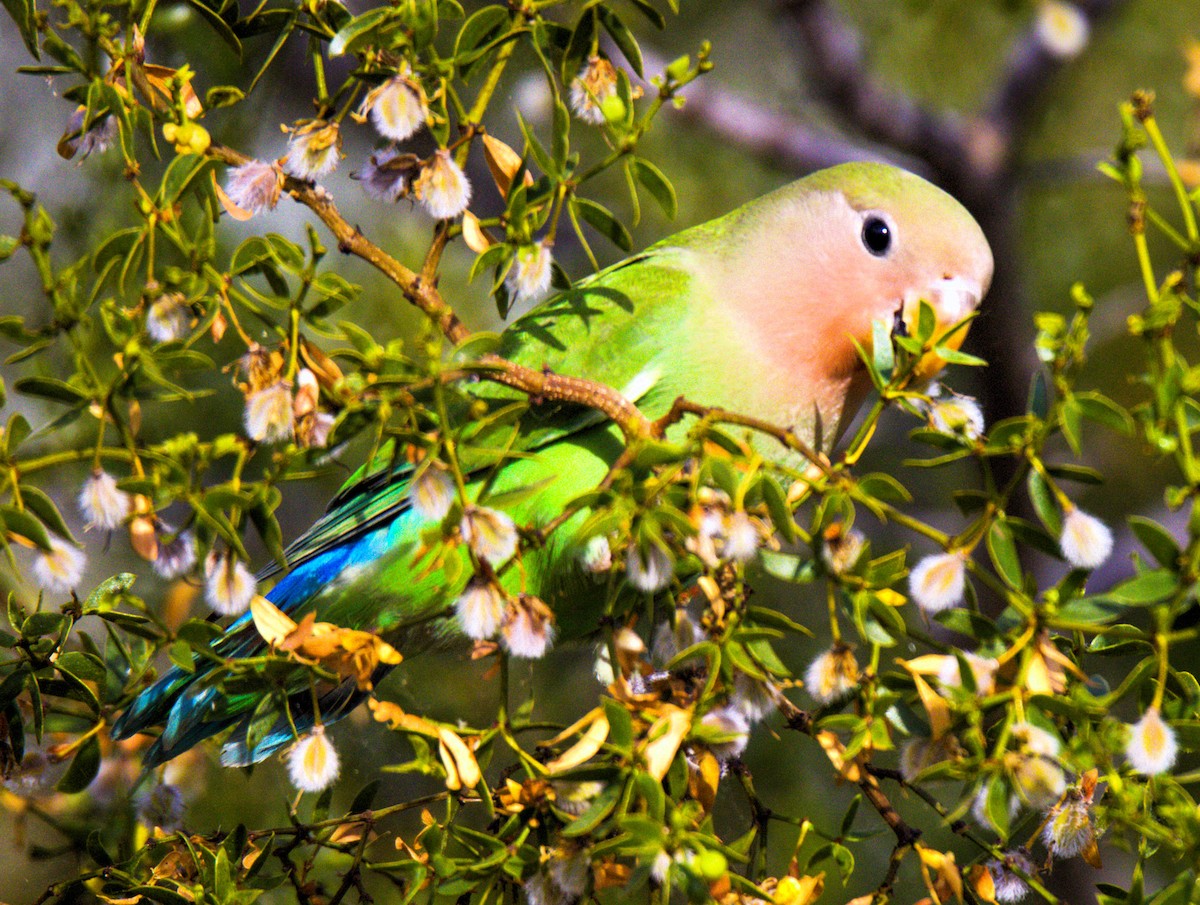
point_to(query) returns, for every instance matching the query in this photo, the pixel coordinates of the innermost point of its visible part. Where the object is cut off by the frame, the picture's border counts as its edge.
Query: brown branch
(423, 293)
(786, 436)
(802, 721)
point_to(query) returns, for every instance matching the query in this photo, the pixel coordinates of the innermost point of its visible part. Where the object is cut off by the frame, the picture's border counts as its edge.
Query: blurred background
(1007, 103)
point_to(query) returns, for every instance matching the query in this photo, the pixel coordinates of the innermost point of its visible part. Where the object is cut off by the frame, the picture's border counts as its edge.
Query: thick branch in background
(974, 158)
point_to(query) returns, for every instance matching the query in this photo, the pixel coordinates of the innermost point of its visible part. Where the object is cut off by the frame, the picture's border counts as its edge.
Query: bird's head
(892, 241)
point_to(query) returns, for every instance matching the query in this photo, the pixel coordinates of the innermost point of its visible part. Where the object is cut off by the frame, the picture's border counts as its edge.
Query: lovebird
(757, 312)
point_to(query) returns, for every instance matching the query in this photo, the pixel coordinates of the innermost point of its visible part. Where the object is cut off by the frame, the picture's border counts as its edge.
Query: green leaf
(1099, 408)
(653, 181)
(483, 27)
(580, 45)
(1144, 589)
(358, 30)
(51, 388)
(109, 593)
(24, 15)
(1044, 503)
(62, 51)
(602, 805)
(1156, 539)
(543, 159)
(44, 508)
(20, 522)
(777, 506)
(83, 666)
(83, 769)
(1118, 645)
(602, 220)
(219, 25)
(1004, 553)
(623, 38)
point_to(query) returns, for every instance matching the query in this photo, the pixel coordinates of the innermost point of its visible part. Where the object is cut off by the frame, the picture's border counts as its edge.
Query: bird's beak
(953, 300)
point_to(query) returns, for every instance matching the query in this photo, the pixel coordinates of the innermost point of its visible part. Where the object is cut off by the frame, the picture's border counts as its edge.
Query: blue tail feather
(190, 708)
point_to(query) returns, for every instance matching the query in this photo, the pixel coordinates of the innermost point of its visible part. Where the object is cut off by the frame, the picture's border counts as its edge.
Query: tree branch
(423, 293)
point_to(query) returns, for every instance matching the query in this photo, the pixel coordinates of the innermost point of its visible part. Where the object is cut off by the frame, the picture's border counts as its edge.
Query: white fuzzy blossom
(102, 502)
(1062, 29)
(98, 138)
(1037, 777)
(649, 571)
(528, 628)
(229, 585)
(938, 582)
(1069, 829)
(269, 416)
(529, 278)
(832, 675)
(313, 762)
(732, 723)
(596, 82)
(742, 538)
(176, 557)
(1152, 746)
(313, 150)
(387, 174)
(254, 186)
(1086, 542)
(958, 416)
(432, 493)
(169, 317)
(491, 534)
(59, 569)
(1009, 885)
(397, 108)
(842, 548)
(596, 555)
(480, 609)
(983, 671)
(442, 188)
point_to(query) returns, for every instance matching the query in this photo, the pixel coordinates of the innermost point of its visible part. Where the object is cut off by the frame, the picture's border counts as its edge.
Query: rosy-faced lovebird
(762, 311)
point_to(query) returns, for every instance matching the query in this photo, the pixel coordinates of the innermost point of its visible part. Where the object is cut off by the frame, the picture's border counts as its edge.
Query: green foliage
(1014, 745)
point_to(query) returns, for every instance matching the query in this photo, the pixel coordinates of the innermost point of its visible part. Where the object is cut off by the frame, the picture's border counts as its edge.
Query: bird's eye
(877, 236)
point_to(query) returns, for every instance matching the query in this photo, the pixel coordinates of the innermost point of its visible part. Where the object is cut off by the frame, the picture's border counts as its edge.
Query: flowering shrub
(1004, 734)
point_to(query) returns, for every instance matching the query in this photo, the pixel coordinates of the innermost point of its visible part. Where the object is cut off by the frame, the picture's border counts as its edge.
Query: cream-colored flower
(731, 723)
(938, 582)
(1086, 542)
(102, 502)
(177, 556)
(313, 150)
(528, 628)
(649, 571)
(397, 108)
(832, 675)
(480, 609)
(432, 493)
(254, 186)
(442, 188)
(742, 538)
(59, 569)
(1069, 830)
(529, 278)
(169, 317)
(1152, 746)
(229, 585)
(313, 762)
(491, 534)
(596, 82)
(269, 416)
(1062, 29)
